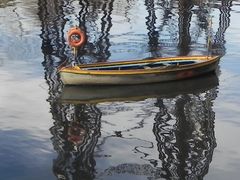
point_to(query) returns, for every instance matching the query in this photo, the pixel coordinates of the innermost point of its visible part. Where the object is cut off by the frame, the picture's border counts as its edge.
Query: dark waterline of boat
(182, 130)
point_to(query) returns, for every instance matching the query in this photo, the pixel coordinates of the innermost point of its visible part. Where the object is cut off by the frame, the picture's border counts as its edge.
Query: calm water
(180, 130)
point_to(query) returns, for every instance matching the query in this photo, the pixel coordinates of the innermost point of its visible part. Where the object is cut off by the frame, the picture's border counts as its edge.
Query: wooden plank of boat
(139, 71)
(92, 94)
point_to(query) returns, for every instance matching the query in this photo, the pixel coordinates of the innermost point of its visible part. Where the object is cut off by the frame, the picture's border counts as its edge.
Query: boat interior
(135, 66)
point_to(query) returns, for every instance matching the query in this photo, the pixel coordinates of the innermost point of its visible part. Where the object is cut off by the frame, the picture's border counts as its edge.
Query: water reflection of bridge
(185, 148)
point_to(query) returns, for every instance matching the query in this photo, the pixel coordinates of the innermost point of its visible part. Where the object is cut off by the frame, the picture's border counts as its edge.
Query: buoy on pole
(76, 38)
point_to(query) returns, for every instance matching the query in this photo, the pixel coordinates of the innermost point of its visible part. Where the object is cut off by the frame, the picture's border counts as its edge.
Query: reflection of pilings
(224, 22)
(153, 34)
(164, 135)
(75, 138)
(98, 50)
(76, 128)
(52, 18)
(103, 44)
(185, 135)
(83, 14)
(185, 16)
(83, 20)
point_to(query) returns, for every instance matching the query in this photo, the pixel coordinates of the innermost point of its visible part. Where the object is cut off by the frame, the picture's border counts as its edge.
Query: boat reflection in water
(183, 127)
(96, 94)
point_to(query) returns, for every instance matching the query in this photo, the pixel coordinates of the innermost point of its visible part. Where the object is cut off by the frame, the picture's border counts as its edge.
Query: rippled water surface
(178, 130)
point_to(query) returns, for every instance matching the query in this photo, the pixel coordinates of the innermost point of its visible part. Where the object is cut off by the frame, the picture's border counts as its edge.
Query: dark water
(180, 130)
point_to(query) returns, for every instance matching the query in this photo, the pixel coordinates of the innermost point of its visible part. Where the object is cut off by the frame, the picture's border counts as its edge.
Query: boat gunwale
(77, 70)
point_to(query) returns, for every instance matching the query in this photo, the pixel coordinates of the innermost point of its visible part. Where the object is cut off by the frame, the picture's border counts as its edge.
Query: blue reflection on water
(24, 156)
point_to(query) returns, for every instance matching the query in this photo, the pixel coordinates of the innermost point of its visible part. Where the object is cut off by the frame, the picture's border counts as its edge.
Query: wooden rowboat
(93, 94)
(139, 71)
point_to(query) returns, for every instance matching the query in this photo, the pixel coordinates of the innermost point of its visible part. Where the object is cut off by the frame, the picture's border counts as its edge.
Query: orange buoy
(76, 37)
